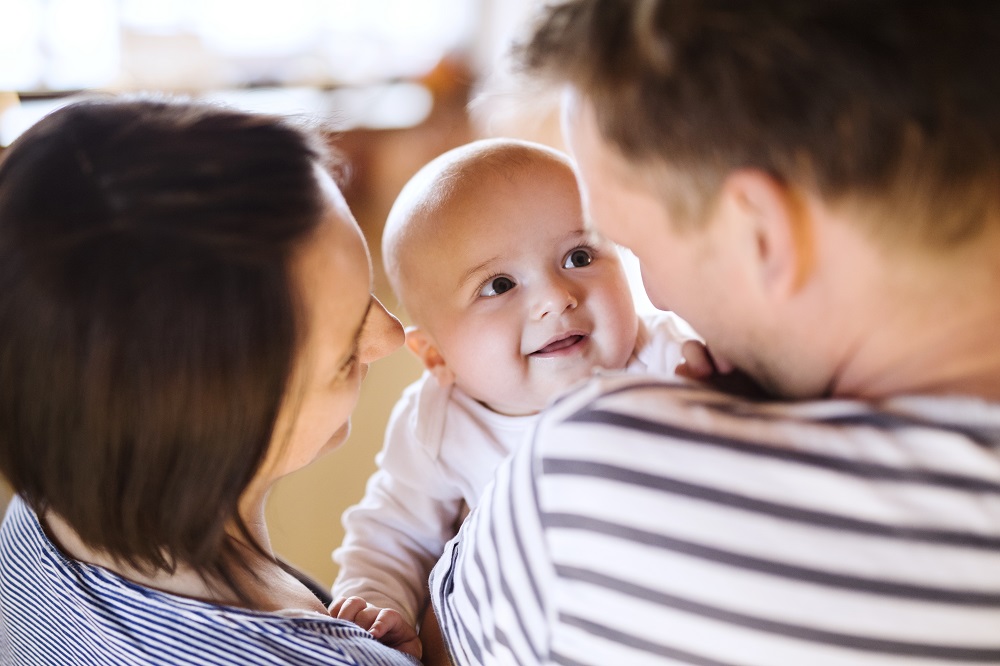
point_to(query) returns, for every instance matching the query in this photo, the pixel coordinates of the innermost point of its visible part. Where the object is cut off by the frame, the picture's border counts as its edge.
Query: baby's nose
(554, 298)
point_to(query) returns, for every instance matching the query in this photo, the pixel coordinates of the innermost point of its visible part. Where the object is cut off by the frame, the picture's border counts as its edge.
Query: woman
(185, 317)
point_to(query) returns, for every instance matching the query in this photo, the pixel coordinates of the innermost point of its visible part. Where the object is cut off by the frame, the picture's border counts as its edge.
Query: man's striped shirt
(54, 610)
(656, 523)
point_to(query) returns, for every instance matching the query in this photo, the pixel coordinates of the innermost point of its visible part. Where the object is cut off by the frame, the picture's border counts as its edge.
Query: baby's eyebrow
(478, 268)
(587, 235)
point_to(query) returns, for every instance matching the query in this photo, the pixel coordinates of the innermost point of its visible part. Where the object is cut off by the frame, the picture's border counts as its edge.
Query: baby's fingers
(353, 609)
(698, 364)
(391, 629)
(702, 365)
(335, 607)
(387, 625)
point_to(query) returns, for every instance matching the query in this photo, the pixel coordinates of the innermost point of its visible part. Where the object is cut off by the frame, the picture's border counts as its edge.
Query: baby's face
(520, 299)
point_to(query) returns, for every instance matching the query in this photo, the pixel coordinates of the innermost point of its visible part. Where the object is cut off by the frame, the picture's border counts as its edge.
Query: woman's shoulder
(58, 610)
(653, 410)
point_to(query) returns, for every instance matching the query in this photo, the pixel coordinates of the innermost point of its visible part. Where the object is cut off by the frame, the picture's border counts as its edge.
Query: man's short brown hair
(890, 104)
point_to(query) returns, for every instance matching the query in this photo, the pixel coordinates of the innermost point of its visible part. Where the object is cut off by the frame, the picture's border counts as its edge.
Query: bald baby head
(442, 203)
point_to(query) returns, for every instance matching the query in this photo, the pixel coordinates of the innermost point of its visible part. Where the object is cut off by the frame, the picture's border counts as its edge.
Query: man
(816, 188)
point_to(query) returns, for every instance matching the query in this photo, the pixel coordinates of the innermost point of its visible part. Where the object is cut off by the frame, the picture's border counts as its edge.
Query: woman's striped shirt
(54, 610)
(656, 523)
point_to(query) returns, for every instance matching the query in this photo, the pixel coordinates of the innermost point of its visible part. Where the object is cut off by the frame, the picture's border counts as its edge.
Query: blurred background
(397, 81)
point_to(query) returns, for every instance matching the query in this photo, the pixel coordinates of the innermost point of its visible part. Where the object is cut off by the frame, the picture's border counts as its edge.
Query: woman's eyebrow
(357, 333)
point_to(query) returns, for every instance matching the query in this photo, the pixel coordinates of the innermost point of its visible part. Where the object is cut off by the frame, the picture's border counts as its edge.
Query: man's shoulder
(611, 410)
(664, 397)
(613, 415)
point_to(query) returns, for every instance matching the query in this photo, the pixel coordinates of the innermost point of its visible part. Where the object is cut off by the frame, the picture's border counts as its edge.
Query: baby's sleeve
(661, 339)
(397, 532)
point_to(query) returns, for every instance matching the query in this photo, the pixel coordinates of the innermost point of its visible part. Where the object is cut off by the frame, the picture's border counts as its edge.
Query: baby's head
(511, 298)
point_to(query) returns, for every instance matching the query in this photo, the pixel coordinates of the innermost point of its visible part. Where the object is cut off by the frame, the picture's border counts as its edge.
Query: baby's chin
(528, 400)
(516, 404)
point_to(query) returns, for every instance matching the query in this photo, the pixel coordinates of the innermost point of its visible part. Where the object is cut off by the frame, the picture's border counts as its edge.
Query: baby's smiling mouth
(560, 344)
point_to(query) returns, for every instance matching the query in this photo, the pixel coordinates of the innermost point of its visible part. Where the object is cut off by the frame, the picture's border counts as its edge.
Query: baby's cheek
(616, 342)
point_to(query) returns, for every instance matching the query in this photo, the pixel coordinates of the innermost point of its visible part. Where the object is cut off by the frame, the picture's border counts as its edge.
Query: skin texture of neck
(270, 587)
(929, 340)
(911, 322)
(183, 581)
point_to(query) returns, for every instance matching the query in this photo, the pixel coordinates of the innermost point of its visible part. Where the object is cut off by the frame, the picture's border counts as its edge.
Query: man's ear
(423, 348)
(779, 222)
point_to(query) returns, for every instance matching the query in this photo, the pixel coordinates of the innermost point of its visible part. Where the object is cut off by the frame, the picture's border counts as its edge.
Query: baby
(513, 301)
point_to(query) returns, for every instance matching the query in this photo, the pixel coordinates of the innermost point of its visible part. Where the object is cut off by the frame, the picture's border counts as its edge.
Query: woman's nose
(554, 296)
(381, 335)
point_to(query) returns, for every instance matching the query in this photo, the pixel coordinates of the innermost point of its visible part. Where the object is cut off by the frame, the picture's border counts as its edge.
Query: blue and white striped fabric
(650, 523)
(59, 611)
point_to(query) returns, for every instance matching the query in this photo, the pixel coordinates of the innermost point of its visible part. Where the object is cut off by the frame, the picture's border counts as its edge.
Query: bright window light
(81, 43)
(58, 45)
(159, 17)
(21, 62)
(385, 106)
(397, 38)
(260, 28)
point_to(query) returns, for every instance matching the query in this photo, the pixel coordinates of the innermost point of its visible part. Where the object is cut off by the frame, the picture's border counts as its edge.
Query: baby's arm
(398, 530)
(667, 345)
(393, 537)
(384, 624)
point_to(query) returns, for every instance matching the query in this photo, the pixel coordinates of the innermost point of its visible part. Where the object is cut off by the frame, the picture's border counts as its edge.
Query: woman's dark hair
(148, 320)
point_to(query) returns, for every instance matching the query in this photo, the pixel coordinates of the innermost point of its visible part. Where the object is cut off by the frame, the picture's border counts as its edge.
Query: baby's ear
(424, 348)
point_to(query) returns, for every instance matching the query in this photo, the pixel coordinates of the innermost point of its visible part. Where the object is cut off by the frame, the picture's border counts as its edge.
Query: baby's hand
(385, 624)
(700, 364)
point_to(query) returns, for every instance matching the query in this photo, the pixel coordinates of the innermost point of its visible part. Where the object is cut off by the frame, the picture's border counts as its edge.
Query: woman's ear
(779, 223)
(423, 347)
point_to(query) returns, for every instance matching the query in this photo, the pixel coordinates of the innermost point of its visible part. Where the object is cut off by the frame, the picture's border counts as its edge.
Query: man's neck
(931, 329)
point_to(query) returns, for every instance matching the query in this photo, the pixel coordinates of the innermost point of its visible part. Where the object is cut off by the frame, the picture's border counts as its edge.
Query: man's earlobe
(421, 345)
(780, 224)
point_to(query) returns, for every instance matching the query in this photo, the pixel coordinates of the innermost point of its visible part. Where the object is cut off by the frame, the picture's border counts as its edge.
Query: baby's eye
(497, 286)
(578, 258)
